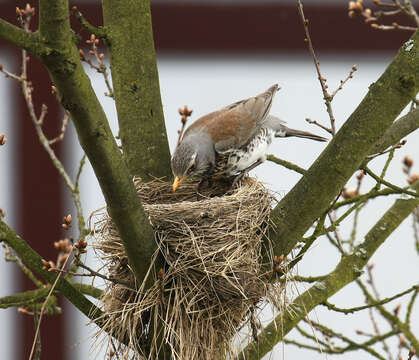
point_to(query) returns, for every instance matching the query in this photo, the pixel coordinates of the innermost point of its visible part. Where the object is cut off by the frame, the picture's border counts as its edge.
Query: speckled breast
(233, 162)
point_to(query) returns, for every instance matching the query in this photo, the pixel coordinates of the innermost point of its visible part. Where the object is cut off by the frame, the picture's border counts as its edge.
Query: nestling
(232, 141)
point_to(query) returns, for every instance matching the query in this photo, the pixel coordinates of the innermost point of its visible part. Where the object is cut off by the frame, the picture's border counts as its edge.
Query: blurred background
(210, 53)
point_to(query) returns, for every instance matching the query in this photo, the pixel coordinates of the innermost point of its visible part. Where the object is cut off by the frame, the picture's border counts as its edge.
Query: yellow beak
(177, 182)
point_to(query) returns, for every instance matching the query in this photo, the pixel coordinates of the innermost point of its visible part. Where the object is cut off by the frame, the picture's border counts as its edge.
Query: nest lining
(212, 279)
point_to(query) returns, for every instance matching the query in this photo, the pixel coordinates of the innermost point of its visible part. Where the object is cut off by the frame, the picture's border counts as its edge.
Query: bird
(231, 141)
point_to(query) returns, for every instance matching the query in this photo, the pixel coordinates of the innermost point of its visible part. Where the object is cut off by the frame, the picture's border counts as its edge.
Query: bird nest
(212, 278)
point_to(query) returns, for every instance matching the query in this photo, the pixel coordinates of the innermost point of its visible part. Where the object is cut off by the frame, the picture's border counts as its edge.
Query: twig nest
(212, 278)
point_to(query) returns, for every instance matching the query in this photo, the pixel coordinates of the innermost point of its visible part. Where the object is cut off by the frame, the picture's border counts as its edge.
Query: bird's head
(192, 158)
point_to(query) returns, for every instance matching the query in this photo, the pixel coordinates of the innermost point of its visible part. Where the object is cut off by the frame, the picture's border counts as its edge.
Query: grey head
(193, 157)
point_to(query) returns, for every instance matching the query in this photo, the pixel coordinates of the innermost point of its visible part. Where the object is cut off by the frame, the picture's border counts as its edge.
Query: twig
(311, 337)
(95, 273)
(410, 305)
(386, 183)
(382, 3)
(101, 67)
(333, 226)
(327, 97)
(14, 258)
(411, 11)
(287, 164)
(43, 309)
(392, 319)
(76, 198)
(81, 164)
(352, 344)
(314, 122)
(385, 168)
(336, 222)
(415, 217)
(370, 310)
(9, 74)
(328, 350)
(63, 129)
(392, 148)
(316, 233)
(307, 279)
(395, 26)
(372, 17)
(37, 355)
(343, 82)
(100, 32)
(333, 307)
(335, 243)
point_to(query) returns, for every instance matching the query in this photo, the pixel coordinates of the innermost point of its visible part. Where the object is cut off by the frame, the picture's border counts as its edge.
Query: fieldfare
(231, 141)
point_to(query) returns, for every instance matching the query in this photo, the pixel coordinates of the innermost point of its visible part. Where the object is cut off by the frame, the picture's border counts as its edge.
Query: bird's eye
(191, 168)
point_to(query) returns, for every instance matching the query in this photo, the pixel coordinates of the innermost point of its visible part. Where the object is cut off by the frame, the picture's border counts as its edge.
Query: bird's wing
(234, 126)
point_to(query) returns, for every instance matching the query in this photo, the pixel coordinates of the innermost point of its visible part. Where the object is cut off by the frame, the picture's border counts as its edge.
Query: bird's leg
(246, 171)
(200, 184)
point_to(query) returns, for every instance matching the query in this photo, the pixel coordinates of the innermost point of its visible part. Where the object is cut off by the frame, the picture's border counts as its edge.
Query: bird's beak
(177, 182)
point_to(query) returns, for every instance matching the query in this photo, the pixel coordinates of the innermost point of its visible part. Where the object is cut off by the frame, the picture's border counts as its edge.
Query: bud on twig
(3, 139)
(68, 219)
(413, 178)
(349, 193)
(408, 161)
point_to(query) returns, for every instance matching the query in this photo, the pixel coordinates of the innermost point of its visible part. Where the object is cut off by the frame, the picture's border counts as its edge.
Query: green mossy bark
(24, 298)
(136, 87)
(88, 289)
(400, 128)
(18, 37)
(32, 296)
(349, 268)
(312, 195)
(61, 58)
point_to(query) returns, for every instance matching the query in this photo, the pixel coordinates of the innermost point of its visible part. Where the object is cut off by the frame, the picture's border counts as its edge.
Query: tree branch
(24, 298)
(136, 87)
(88, 290)
(326, 177)
(380, 180)
(77, 96)
(373, 304)
(348, 269)
(398, 130)
(100, 31)
(18, 37)
(287, 164)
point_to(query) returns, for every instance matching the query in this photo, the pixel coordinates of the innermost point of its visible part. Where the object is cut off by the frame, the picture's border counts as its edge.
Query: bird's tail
(287, 132)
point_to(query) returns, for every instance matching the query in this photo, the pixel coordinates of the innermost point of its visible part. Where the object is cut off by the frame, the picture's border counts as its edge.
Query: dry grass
(212, 279)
